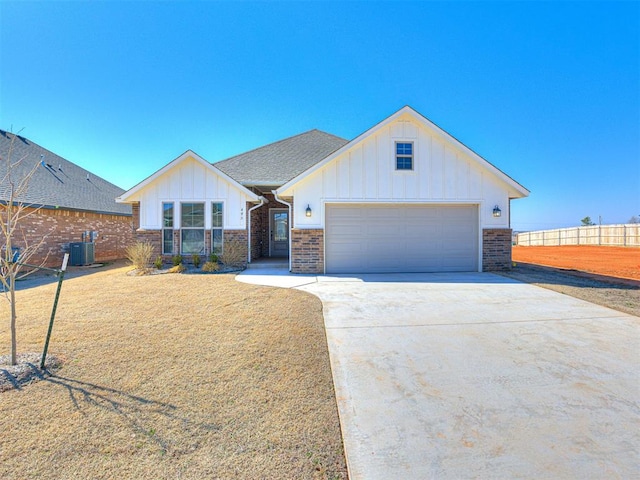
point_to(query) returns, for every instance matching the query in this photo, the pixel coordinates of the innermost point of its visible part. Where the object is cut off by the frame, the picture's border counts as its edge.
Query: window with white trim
(167, 228)
(404, 156)
(217, 223)
(192, 229)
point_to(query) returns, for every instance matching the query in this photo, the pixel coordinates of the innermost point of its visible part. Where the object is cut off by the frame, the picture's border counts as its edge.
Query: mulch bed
(26, 371)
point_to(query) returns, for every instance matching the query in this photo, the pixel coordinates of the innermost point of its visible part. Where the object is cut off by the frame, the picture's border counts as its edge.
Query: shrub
(176, 260)
(195, 258)
(158, 262)
(210, 267)
(235, 254)
(179, 268)
(139, 254)
(213, 258)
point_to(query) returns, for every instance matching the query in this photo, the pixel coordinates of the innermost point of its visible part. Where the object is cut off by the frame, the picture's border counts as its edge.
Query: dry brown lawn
(172, 376)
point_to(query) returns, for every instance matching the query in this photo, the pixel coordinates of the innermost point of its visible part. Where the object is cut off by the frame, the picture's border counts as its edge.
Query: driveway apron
(455, 376)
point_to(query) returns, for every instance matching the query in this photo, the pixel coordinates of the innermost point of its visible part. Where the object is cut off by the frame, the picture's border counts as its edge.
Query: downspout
(275, 195)
(263, 201)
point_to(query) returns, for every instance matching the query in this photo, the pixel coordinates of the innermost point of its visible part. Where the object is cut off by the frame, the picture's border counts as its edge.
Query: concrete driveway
(456, 376)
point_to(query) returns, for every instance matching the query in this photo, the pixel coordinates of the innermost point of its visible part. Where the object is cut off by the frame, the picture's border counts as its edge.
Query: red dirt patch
(621, 262)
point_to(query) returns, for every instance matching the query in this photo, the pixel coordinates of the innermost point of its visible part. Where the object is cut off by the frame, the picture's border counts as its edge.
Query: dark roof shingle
(277, 163)
(56, 182)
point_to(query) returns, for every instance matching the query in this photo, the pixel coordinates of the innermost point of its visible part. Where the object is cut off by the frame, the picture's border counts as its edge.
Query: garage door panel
(349, 230)
(401, 238)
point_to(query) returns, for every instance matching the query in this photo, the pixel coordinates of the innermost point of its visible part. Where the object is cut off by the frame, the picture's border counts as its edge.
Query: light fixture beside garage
(496, 211)
(308, 211)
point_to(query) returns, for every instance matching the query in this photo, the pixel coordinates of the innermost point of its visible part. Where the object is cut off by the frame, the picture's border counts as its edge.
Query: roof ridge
(330, 134)
(276, 143)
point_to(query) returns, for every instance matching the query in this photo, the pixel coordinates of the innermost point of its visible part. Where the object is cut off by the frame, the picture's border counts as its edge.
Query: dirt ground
(622, 295)
(171, 376)
(622, 262)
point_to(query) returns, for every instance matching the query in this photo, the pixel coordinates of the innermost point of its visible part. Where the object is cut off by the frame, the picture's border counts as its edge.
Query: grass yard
(172, 376)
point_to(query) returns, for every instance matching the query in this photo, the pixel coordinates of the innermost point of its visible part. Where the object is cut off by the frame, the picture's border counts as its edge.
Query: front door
(279, 233)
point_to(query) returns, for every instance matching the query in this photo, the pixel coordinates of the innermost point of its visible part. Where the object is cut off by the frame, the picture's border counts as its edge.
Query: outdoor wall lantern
(308, 211)
(496, 211)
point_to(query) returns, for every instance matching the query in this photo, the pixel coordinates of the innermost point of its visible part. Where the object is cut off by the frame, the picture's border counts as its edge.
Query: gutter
(275, 195)
(263, 201)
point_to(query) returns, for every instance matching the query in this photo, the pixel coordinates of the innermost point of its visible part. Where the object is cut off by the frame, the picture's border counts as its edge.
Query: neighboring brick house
(404, 196)
(68, 200)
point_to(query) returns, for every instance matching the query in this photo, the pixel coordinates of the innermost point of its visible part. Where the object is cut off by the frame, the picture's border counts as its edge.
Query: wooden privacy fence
(626, 235)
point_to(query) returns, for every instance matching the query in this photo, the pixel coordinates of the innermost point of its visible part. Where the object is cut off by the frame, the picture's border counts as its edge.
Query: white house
(404, 196)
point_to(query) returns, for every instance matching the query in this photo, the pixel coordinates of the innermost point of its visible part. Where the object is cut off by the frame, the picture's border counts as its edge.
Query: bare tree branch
(14, 209)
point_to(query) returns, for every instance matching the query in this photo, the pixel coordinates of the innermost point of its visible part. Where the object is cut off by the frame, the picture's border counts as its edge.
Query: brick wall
(307, 250)
(61, 227)
(260, 226)
(496, 249)
(257, 227)
(154, 237)
(239, 238)
(135, 213)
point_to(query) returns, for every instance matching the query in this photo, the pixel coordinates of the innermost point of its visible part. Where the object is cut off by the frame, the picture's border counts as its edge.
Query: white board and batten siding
(191, 181)
(379, 219)
(442, 174)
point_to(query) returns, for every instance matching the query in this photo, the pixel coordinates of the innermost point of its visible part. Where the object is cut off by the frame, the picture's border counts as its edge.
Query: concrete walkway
(456, 376)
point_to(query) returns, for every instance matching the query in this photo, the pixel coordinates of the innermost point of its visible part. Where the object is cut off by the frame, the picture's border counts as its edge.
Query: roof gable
(131, 195)
(56, 182)
(279, 162)
(428, 125)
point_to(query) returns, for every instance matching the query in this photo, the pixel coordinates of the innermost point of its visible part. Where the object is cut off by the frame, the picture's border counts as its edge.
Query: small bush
(177, 268)
(235, 254)
(158, 263)
(139, 254)
(210, 267)
(195, 258)
(176, 260)
(213, 258)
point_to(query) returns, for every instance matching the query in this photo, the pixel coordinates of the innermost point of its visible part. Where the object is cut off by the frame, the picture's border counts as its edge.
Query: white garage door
(401, 238)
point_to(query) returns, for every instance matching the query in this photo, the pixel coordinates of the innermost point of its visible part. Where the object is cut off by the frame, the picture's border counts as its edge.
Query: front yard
(172, 376)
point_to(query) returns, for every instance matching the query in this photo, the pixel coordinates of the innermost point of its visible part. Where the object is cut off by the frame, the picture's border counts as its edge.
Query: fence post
(599, 235)
(624, 235)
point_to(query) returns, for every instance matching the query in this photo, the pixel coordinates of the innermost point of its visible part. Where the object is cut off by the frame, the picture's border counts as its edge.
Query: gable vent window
(217, 222)
(192, 229)
(167, 228)
(404, 156)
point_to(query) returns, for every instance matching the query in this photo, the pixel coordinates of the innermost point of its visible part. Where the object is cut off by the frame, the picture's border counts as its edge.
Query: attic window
(404, 156)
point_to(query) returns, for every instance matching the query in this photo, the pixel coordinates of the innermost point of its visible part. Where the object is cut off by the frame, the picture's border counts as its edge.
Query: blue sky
(549, 92)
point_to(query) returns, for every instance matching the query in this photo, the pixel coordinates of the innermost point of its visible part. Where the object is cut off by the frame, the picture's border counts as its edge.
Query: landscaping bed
(171, 376)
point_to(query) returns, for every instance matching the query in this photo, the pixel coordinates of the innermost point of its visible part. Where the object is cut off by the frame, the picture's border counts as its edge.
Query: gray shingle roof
(56, 182)
(277, 163)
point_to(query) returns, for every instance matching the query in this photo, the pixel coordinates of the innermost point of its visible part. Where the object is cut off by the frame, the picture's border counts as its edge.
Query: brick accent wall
(240, 238)
(135, 211)
(61, 227)
(496, 249)
(154, 237)
(307, 250)
(260, 226)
